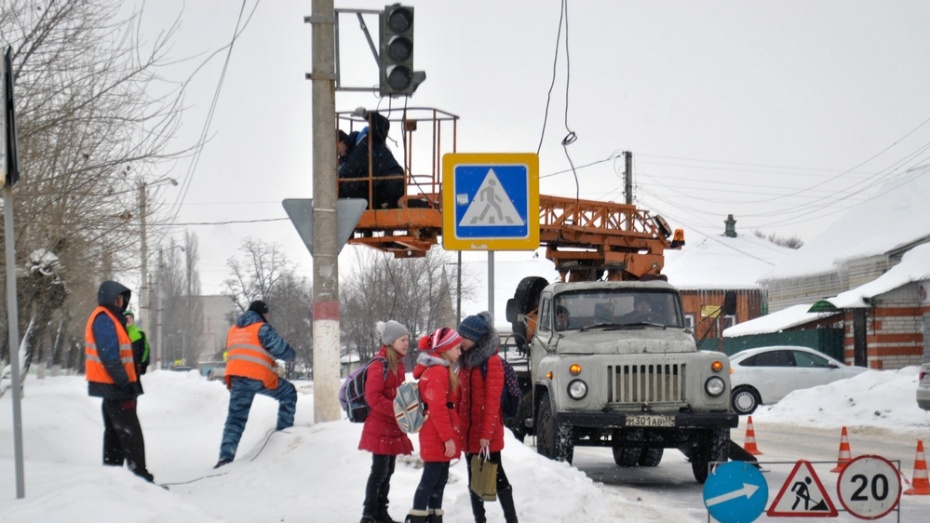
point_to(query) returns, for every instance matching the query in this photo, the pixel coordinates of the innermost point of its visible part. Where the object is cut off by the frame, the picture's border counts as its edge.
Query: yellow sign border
(450, 241)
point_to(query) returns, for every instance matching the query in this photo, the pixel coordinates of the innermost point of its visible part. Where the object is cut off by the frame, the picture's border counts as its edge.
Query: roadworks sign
(802, 495)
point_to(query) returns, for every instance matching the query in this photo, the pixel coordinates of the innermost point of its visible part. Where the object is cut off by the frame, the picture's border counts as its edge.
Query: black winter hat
(259, 306)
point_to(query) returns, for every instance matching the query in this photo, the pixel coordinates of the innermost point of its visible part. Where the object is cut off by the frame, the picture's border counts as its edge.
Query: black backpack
(352, 392)
(511, 395)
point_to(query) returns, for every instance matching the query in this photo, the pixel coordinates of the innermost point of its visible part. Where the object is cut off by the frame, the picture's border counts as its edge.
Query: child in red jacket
(440, 441)
(481, 375)
(381, 436)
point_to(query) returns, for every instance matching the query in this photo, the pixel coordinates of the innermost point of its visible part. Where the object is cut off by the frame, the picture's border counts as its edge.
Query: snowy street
(313, 473)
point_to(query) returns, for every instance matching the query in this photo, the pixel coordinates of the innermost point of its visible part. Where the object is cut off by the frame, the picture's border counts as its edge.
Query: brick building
(870, 270)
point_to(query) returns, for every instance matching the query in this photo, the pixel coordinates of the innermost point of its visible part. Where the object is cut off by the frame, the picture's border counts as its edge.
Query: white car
(923, 387)
(764, 375)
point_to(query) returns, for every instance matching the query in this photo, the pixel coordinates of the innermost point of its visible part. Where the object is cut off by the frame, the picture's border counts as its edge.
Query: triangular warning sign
(802, 495)
(491, 205)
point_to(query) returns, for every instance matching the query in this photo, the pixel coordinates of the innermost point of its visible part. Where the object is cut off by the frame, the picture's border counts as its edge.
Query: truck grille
(649, 383)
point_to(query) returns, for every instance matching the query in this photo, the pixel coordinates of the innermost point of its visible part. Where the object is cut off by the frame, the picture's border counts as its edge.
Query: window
(775, 358)
(689, 322)
(807, 360)
(544, 315)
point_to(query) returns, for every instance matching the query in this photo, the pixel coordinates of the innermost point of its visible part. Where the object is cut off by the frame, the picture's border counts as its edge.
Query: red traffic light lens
(400, 20)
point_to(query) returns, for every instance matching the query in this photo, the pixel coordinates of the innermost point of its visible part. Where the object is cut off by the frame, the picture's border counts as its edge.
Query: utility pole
(325, 230)
(145, 297)
(144, 291)
(158, 313)
(628, 177)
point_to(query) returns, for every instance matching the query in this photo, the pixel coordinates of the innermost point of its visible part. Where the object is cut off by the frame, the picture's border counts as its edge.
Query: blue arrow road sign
(735, 492)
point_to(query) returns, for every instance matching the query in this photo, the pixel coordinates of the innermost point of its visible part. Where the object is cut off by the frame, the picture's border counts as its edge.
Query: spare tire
(525, 300)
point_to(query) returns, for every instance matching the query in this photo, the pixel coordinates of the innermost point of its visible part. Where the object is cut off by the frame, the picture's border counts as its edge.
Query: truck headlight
(577, 389)
(715, 386)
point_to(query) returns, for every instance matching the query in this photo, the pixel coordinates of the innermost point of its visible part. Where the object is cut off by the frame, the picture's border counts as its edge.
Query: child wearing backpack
(440, 440)
(481, 374)
(381, 436)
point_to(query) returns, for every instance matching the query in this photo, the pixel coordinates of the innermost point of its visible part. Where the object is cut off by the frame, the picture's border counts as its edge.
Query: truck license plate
(650, 421)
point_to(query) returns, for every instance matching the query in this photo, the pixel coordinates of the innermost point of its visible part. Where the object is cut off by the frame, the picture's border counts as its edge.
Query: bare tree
(415, 292)
(793, 242)
(182, 312)
(91, 128)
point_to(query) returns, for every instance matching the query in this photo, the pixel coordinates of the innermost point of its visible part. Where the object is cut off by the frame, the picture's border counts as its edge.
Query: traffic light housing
(396, 60)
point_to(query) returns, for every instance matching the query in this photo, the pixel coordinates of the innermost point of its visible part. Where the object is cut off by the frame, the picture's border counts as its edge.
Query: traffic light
(397, 74)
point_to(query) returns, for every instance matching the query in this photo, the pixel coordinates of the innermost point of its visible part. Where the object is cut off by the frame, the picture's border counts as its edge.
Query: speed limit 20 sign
(869, 487)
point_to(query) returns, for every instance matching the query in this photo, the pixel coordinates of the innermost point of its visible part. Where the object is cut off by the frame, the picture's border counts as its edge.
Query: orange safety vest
(247, 357)
(94, 368)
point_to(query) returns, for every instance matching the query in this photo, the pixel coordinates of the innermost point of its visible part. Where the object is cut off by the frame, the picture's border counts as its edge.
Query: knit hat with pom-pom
(390, 331)
(441, 340)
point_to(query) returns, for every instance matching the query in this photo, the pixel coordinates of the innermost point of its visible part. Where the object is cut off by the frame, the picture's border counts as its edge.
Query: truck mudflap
(610, 420)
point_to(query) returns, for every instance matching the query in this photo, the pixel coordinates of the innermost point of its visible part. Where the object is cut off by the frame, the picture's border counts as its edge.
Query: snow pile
(310, 472)
(880, 399)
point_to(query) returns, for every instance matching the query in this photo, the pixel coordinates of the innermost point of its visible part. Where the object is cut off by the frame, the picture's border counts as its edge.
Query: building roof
(775, 322)
(719, 262)
(892, 218)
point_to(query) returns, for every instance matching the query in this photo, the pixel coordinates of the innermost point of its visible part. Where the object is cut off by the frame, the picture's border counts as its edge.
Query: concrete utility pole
(325, 230)
(628, 177)
(158, 314)
(143, 291)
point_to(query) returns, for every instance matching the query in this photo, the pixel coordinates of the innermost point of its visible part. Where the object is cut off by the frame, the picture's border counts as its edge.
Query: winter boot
(417, 516)
(383, 516)
(381, 510)
(505, 495)
(435, 515)
(477, 508)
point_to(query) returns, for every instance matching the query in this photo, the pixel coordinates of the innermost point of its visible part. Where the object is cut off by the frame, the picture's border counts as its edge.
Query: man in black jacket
(387, 174)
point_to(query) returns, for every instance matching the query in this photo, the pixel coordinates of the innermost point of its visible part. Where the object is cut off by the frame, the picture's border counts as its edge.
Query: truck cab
(610, 363)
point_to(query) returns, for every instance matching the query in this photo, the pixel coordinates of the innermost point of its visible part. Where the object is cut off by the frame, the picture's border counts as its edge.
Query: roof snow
(774, 322)
(892, 218)
(719, 262)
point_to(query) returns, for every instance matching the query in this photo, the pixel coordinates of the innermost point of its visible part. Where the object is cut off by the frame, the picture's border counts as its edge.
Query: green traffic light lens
(399, 78)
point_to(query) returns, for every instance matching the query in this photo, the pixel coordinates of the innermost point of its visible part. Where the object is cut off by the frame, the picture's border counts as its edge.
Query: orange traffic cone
(845, 455)
(750, 444)
(921, 484)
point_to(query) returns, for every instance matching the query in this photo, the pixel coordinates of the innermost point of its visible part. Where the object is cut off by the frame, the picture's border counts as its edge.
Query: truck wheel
(525, 299)
(627, 456)
(745, 400)
(651, 457)
(516, 427)
(713, 445)
(552, 440)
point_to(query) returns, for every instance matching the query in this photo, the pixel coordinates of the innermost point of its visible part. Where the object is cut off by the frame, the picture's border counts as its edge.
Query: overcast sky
(784, 114)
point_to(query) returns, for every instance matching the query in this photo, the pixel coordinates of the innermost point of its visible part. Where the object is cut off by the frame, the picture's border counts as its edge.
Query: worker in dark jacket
(253, 346)
(111, 375)
(387, 174)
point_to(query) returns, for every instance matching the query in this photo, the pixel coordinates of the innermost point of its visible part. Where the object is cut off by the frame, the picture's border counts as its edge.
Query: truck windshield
(577, 310)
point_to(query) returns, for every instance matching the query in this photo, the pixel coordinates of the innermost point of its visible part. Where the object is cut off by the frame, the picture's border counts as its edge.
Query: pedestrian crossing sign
(490, 201)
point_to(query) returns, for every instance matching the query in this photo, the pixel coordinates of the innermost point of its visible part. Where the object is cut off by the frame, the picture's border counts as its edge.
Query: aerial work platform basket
(586, 239)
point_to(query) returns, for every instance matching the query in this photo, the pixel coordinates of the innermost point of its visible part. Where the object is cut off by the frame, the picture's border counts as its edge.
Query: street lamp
(143, 201)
